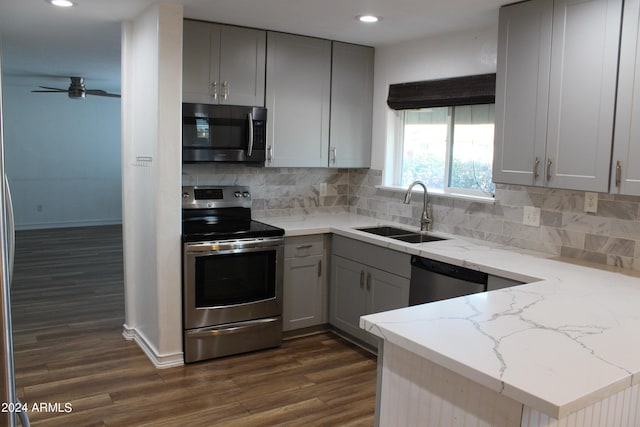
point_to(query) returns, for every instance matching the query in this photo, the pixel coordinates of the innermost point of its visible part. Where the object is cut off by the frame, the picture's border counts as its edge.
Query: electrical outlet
(591, 202)
(323, 189)
(531, 216)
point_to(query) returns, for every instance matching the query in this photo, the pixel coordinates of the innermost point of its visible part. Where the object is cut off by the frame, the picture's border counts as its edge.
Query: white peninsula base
(414, 391)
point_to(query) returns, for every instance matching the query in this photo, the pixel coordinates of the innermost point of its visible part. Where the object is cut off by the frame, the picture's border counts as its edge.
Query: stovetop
(220, 213)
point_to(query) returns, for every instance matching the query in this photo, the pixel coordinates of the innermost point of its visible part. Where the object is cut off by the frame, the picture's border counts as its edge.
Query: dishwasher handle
(449, 270)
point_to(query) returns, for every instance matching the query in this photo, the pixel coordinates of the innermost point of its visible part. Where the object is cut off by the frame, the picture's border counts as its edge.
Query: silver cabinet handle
(320, 268)
(618, 173)
(536, 164)
(304, 247)
(225, 90)
(269, 153)
(361, 279)
(549, 163)
(250, 119)
(334, 155)
(214, 90)
(369, 282)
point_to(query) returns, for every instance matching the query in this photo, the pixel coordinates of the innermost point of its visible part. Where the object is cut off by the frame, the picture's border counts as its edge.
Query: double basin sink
(401, 234)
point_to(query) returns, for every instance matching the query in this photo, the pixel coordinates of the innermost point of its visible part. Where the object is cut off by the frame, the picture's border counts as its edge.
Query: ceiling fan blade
(53, 89)
(98, 92)
(49, 91)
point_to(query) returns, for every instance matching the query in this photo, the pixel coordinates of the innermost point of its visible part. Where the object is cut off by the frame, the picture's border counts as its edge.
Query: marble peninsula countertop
(568, 338)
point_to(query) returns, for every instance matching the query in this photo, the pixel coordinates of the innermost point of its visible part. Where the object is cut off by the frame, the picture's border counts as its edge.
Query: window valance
(468, 90)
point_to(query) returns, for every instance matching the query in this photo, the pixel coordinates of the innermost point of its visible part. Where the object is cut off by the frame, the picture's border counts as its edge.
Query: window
(448, 148)
(445, 134)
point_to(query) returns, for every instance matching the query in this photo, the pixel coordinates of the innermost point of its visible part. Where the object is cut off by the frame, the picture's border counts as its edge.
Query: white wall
(151, 134)
(450, 55)
(62, 158)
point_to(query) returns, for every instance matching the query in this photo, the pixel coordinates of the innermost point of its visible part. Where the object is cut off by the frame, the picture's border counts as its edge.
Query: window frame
(398, 150)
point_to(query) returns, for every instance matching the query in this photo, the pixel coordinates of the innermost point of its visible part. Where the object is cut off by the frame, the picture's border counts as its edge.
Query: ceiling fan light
(61, 3)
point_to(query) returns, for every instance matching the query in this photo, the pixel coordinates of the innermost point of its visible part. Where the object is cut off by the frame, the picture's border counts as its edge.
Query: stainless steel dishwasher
(434, 280)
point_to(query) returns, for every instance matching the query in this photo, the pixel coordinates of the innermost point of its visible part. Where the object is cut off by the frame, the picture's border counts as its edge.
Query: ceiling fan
(77, 90)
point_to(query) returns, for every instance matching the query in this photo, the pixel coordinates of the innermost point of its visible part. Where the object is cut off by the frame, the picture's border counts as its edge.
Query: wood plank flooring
(68, 311)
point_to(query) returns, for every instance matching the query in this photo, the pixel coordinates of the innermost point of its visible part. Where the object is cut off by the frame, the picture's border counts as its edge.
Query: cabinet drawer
(303, 246)
(382, 258)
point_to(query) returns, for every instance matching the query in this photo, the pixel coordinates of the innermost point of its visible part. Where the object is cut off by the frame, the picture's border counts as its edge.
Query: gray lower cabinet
(555, 93)
(365, 279)
(305, 285)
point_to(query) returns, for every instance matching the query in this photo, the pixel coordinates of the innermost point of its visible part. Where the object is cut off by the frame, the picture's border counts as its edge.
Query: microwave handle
(250, 149)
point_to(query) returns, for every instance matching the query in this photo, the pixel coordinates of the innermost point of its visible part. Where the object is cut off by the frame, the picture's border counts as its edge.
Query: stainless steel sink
(386, 231)
(417, 238)
(401, 234)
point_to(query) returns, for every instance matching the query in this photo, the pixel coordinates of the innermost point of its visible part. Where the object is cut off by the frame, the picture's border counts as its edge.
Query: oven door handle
(233, 245)
(230, 328)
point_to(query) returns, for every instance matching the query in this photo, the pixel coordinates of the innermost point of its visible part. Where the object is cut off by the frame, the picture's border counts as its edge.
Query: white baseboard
(159, 361)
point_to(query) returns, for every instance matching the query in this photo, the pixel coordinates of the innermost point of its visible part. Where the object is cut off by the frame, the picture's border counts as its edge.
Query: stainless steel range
(232, 274)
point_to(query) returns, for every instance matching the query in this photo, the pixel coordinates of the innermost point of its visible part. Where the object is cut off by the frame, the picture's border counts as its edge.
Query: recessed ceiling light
(368, 18)
(61, 3)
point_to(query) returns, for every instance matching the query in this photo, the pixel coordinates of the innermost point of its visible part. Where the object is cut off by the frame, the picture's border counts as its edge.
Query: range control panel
(225, 196)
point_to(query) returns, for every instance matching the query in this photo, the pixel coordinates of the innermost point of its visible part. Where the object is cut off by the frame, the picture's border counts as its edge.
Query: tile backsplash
(278, 191)
(610, 236)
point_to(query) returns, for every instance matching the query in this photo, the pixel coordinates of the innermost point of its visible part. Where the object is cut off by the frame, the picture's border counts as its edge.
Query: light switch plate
(591, 202)
(531, 216)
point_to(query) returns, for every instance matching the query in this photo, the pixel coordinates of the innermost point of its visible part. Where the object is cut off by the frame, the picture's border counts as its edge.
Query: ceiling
(43, 45)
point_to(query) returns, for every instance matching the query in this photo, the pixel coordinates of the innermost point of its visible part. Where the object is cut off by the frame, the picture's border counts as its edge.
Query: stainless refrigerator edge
(8, 398)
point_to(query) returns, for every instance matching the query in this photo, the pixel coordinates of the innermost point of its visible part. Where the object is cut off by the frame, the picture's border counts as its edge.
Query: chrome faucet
(425, 221)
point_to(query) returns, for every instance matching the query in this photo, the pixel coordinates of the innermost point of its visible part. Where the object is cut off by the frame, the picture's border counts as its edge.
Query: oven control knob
(245, 194)
(237, 194)
(185, 195)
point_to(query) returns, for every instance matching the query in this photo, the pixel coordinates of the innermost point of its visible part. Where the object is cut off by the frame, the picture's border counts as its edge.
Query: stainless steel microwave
(223, 133)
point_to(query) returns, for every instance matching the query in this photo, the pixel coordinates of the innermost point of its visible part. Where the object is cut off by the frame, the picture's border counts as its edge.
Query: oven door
(232, 281)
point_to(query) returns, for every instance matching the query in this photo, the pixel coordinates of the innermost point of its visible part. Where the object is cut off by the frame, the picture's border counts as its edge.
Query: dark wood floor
(68, 311)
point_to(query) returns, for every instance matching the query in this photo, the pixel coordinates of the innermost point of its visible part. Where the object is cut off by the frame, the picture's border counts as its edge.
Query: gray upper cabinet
(522, 92)
(223, 64)
(320, 100)
(569, 49)
(584, 67)
(351, 106)
(297, 100)
(625, 171)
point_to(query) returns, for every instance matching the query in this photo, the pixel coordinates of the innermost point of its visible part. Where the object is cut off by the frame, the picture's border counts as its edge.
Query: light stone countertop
(567, 339)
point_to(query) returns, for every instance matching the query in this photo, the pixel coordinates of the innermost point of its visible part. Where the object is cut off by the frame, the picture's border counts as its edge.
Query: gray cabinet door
(223, 64)
(625, 173)
(347, 297)
(522, 91)
(242, 66)
(568, 48)
(386, 291)
(351, 106)
(297, 100)
(582, 93)
(303, 292)
(199, 68)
